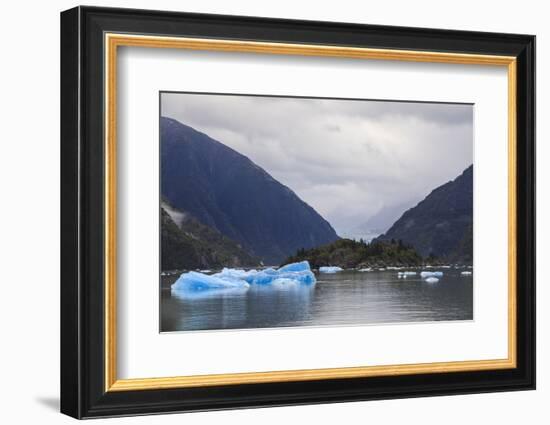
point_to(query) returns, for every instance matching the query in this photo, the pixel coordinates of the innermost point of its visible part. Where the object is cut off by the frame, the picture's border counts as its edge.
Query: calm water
(345, 298)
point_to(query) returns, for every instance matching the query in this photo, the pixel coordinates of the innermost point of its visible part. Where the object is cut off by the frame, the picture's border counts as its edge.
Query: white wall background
(29, 216)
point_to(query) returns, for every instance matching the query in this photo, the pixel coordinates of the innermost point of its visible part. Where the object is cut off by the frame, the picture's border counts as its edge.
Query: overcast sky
(348, 159)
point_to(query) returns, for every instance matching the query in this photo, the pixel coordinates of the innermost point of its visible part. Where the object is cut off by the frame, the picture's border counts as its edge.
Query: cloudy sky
(351, 160)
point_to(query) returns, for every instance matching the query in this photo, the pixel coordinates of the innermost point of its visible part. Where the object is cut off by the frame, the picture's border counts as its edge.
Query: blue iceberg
(330, 269)
(269, 276)
(263, 277)
(195, 281)
(302, 266)
(289, 275)
(235, 274)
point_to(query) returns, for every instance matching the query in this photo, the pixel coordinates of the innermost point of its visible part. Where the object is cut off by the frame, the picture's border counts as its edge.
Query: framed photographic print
(261, 212)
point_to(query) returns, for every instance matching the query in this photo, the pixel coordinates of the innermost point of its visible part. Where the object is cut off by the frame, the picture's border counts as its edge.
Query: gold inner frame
(113, 41)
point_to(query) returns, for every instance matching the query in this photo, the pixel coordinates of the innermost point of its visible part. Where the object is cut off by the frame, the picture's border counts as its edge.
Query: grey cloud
(349, 159)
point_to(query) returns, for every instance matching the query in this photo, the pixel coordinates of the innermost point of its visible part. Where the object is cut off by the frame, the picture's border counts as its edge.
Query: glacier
(292, 274)
(330, 269)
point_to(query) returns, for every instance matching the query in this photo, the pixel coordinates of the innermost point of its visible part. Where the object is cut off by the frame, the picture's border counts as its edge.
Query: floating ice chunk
(262, 277)
(430, 274)
(284, 282)
(295, 267)
(330, 269)
(409, 273)
(306, 277)
(466, 273)
(194, 281)
(269, 276)
(432, 280)
(366, 269)
(235, 273)
(298, 273)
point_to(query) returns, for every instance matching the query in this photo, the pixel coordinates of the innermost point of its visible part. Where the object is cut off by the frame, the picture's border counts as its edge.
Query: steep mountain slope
(188, 244)
(441, 224)
(229, 193)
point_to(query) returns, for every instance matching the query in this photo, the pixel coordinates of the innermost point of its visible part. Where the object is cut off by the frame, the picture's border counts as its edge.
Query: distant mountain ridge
(227, 192)
(377, 224)
(441, 224)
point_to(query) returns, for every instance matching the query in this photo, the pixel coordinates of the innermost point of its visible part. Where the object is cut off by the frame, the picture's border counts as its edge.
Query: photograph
(282, 212)
(285, 210)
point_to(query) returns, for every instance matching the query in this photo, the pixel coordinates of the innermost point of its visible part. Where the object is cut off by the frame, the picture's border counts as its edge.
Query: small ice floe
(466, 273)
(425, 274)
(330, 269)
(405, 274)
(366, 269)
(432, 280)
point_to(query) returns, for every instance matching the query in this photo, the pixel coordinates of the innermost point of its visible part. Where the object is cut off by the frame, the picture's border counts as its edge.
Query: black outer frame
(82, 206)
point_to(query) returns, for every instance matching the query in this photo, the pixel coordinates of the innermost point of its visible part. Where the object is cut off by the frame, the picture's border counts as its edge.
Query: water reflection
(339, 299)
(186, 295)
